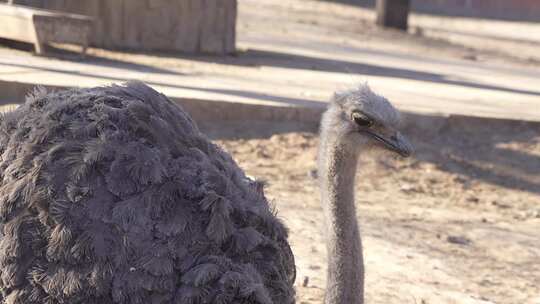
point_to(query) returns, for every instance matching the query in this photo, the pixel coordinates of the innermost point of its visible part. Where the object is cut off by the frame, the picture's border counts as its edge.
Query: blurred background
(458, 222)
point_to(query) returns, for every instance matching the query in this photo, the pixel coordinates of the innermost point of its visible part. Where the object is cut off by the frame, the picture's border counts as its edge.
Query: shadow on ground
(255, 58)
(499, 152)
(119, 79)
(440, 8)
(69, 55)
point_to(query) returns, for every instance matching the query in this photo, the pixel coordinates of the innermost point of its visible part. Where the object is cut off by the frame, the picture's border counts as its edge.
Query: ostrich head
(359, 118)
(356, 120)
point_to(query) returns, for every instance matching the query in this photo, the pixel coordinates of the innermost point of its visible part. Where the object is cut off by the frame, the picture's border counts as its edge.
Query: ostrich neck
(345, 280)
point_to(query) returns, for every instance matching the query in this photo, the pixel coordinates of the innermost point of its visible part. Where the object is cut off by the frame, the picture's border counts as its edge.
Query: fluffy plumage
(112, 195)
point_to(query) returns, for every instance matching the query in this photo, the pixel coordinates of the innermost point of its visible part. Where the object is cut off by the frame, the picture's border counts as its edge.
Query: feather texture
(112, 195)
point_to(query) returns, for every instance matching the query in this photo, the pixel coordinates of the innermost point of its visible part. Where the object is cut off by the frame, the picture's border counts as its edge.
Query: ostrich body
(112, 195)
(355, 121)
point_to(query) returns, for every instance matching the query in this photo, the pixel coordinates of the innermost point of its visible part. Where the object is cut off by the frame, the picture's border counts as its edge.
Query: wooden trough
(39, 27)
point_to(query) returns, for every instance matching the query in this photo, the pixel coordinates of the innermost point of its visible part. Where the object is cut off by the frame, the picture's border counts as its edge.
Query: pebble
(460, 240)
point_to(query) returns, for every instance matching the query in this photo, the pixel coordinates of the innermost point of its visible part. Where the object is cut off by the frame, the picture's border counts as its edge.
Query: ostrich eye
(362, 120)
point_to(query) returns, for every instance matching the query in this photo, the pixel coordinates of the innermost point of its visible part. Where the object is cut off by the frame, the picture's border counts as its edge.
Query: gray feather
(112, 195)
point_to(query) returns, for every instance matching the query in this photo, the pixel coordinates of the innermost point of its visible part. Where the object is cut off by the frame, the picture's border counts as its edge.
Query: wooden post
(393, 13)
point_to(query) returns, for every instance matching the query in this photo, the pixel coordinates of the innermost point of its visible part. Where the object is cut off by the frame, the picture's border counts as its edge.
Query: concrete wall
(193, 26)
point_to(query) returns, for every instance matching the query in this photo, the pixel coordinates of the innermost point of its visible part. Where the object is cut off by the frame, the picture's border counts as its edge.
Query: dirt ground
(459, 222)
(456, 223)
(514, 43)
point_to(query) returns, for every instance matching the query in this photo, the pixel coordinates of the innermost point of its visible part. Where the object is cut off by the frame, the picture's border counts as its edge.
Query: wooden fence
(194, 26)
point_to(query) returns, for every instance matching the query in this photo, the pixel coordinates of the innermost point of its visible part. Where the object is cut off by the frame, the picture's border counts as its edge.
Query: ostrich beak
(395, 142)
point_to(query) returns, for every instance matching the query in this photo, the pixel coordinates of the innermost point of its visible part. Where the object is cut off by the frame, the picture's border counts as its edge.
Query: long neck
(337, 167)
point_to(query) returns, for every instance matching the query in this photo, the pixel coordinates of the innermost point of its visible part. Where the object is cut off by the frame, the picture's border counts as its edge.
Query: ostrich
(113, 195)
(356, 120)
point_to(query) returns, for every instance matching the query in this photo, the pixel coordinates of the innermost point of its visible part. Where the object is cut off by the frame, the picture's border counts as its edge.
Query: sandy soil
(457, 223)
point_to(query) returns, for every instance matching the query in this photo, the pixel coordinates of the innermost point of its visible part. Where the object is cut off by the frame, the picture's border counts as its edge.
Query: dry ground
(492, 41)
(457, 223)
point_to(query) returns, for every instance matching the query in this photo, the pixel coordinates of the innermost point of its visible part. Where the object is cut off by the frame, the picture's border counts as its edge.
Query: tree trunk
(393, 13)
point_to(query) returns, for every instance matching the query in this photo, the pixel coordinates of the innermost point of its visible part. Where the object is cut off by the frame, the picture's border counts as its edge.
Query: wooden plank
(39, 26)
(192, 21)
(209, 40)
(159, 35)
(112, 18)
(134, 23)
(230, 26)
(17, 24)
(62, 29)
(92, 9)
